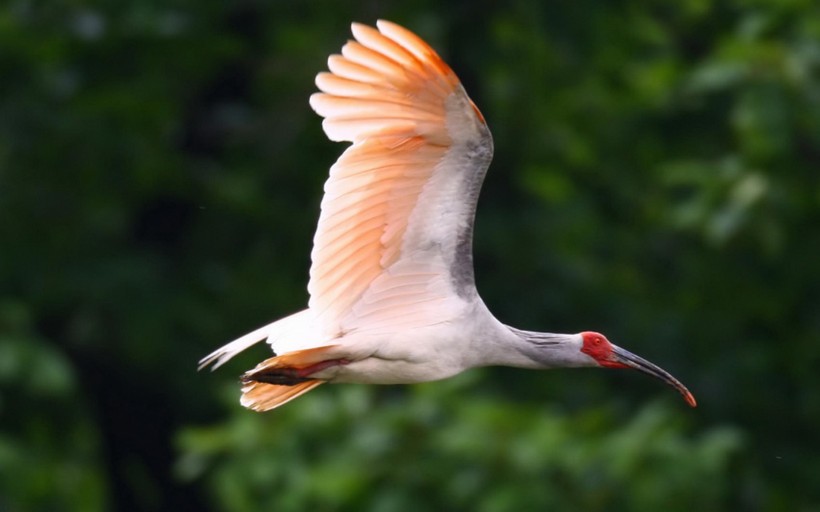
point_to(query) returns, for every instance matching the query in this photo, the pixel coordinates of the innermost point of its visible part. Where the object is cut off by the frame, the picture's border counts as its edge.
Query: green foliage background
(655, 179)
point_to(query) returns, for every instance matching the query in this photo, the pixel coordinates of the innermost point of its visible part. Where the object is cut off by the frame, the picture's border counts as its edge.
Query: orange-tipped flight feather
(260, 396)
(387, 94)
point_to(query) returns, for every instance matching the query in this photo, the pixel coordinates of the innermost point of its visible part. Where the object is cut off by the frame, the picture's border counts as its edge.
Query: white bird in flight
(392, 293)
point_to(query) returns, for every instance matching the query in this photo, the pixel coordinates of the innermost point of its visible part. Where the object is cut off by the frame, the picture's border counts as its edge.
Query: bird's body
(392, 293)
(471, 339)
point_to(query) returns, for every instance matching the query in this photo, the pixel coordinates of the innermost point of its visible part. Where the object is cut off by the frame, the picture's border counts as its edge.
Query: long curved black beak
(630, 360)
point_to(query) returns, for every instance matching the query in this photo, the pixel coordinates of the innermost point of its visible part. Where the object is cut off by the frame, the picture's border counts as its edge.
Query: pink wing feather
(409, 120)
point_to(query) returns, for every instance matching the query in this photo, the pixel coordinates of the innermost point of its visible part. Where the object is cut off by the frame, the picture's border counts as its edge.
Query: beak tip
(621, 358)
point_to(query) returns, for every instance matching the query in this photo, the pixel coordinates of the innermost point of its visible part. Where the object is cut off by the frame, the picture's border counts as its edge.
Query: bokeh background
(655, 178)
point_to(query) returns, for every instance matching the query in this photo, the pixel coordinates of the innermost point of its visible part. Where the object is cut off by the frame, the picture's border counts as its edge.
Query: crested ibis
(392, 293)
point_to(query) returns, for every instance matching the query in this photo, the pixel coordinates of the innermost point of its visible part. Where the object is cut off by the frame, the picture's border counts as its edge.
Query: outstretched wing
(393, 244)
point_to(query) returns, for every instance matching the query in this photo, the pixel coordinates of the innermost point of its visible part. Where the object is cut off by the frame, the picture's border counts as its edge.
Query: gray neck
(497, 344)
(550, 350)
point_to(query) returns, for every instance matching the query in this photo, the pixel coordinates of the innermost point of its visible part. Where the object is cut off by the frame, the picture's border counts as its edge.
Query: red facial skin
(605, 354)
(599, 348)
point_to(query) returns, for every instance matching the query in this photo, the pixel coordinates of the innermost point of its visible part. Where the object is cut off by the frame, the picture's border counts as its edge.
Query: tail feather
(274, 332)
(260, 396)
(279, 379)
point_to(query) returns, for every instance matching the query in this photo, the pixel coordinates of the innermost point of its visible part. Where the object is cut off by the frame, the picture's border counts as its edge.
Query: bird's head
(607, 355)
